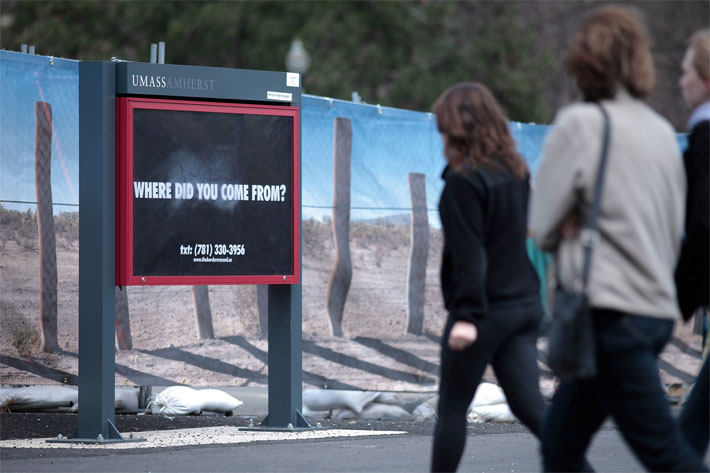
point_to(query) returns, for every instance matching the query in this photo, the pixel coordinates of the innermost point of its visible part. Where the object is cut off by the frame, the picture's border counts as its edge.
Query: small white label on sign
(280, 96)
(293, 79)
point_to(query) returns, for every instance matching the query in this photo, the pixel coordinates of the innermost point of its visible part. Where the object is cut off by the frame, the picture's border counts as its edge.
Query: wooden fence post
(262, 306)
(340, 277)
(123, 320)
(45, 225)
(203, 314)
(418, 253)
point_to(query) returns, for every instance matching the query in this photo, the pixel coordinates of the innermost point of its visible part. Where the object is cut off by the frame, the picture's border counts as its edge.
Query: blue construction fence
(388, 143)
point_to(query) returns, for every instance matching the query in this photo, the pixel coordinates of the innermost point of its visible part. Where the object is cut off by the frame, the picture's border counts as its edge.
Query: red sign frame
(124, 191)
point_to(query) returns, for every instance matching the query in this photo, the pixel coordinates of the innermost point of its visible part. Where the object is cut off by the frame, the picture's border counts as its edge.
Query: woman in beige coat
(631, 288)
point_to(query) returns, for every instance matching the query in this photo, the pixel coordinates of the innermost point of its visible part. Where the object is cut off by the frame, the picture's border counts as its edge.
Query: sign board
(207, 193)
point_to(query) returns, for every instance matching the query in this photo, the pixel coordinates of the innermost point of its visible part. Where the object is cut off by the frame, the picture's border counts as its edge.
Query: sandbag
(176, 400)
(126, 398)
(376, 410)
(315, 414)
(487, 394)
(218, 401)
(426, 410)
(389, 398)
(183, 400)
(491, 413)
(343, 414)
(46, 395)
(373, 411)
(329, 399)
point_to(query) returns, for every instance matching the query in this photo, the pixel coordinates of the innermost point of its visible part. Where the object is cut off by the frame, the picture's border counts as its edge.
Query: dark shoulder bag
(571, 350)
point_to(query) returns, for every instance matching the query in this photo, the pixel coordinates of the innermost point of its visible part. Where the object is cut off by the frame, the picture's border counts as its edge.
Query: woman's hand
(571, 227)
(462, 335)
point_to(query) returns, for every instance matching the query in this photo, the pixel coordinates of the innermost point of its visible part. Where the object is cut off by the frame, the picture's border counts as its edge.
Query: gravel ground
(44, 425)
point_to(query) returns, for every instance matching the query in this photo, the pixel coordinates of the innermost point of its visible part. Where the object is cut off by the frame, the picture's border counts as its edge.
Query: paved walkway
(371, 451)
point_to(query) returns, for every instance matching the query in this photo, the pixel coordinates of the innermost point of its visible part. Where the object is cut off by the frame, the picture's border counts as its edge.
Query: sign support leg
(285, 361)
(97, 254)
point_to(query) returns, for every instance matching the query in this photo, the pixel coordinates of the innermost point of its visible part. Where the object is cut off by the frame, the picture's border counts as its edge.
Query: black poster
(212, 194)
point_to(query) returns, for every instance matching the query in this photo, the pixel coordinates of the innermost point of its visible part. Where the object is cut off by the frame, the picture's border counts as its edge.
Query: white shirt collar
(700, 114)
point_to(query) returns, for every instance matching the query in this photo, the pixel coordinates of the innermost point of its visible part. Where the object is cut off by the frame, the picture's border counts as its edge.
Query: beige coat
(642, 208)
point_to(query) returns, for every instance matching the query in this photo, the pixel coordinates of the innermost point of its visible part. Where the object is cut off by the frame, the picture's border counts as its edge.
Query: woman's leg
(695, 417)
(515, 362)
(628, 347)
(461, 372)
(515, 366)
(576, 413)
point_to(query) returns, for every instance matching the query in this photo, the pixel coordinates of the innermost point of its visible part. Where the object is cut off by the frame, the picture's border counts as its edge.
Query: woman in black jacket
(490, 288)
(693, 273)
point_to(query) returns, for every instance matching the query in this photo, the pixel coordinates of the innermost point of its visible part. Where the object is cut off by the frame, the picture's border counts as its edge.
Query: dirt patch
(166, 347)
(162, 318)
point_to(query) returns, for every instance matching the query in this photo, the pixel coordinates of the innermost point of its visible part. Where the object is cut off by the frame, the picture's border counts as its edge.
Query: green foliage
(26, 341)
(18, 226)
(401, 54)
(380, 232)
(15, 224)
(67, 224)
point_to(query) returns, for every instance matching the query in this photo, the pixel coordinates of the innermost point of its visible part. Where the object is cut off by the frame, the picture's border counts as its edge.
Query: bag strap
(590, 235)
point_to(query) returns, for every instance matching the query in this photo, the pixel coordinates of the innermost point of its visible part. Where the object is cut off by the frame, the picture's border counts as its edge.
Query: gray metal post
(161, 52)
(97, 251)
(285, 375)
(153, 53)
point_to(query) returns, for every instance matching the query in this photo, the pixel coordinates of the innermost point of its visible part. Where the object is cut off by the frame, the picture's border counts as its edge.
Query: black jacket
(692, 280)
(485, 262)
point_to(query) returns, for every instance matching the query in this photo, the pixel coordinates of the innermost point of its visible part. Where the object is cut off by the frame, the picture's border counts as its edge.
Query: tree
(401, 54)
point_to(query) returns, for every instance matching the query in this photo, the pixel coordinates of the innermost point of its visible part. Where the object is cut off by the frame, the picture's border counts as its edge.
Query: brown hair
(475, 130)
(611, 49)
(700, 45)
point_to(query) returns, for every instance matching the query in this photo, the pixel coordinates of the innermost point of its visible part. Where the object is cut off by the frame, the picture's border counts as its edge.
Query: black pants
(695, 417)
(507, 340)
(628, 387)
